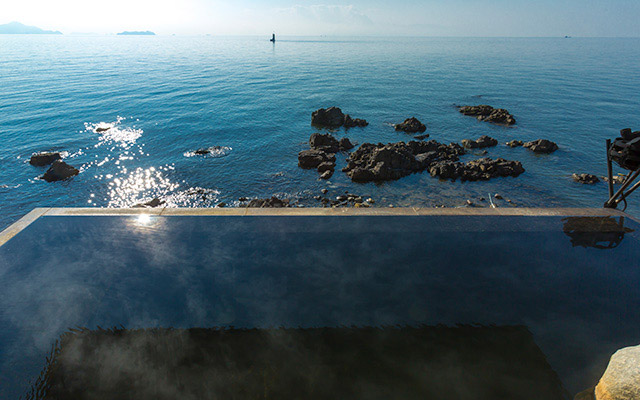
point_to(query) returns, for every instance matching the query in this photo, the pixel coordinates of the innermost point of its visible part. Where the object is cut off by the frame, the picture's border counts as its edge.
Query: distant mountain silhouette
(140, 33)
(18, 28)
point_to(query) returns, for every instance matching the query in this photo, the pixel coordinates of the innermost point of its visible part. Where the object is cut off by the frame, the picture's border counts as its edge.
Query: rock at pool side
(482, 142)
(380, 162)
(621, 380)
(476, 170)
(59, 171)
(411, 125)
(541, 146)
(587, 179)
(489, 114)
(44, 158)
(273, 202)
(333, 118)
(515, 143)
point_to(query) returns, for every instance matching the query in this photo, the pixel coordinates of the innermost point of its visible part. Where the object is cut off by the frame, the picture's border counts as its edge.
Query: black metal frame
(619, 196)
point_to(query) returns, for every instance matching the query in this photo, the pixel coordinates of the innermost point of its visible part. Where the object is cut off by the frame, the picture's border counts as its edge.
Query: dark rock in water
(59, 171)
(476, 170)
(422, 137)
(219, 151)
(42, 159)
(515, 143)
(221, 205)
(202, 152)
(332, 117)
(326, 166)
(324, 191)
(381, 162)
(309, 159)
(543, 146)
(345, 144)
(627, 134)
(588, 179)
(273, 202)
(242, 199)
(411, 125)
(482, 142)
(155, 202)
(102, 129)
(489, 114)
(326, 174)
(354, 122)
(324, 142)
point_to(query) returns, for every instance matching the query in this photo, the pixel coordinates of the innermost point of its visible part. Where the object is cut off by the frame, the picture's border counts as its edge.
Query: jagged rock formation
(489, 114)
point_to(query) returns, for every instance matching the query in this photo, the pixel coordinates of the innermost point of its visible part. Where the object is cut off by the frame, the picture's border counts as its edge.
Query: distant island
(16, 28)
(136, 33)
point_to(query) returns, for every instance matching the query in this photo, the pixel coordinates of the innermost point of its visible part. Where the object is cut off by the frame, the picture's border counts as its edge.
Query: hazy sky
(355, 17)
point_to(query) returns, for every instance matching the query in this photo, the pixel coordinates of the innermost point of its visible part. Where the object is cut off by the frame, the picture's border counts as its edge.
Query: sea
(251, 100)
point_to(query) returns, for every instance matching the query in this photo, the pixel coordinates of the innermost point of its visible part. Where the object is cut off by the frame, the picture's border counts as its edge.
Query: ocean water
(167, 96)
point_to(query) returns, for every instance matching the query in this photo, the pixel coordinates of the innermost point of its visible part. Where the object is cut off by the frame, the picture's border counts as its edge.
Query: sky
(599, 18)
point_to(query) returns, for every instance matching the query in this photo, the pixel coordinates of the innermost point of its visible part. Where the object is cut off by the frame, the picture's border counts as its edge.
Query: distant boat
(567, 37)
(273, 38)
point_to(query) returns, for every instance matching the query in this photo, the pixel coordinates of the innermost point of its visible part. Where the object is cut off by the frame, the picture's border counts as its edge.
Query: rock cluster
(333, 117)
(59, 171)
(489, 114)
(542, 146)
(482, 142)
(588, 179)
(346, 200)
(44, 158)
(476, 170)
(273, 202)
(380, 162)
(411, 125)
(515, 143)
(322, 153)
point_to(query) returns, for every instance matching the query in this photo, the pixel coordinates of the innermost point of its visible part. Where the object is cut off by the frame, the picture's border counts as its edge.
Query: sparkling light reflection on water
(250, 101)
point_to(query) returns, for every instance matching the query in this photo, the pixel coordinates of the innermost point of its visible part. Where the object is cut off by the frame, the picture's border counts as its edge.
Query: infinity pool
(311, 306)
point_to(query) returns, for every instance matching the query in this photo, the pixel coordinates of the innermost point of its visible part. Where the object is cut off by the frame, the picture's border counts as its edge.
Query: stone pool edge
(36, 213)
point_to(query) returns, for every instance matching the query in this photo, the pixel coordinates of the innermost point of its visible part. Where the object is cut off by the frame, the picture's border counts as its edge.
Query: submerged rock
(44, 158)
(476, 170)
(489, 114)
(411, 125)
(482, 142)
(59, 171)
(155, 202)
(273, 202)
(101, 129)
(621, 380)
(542, 146)
(515, 143)
(588, 179)
(421, 137)
(216, 151)
(393, 161)
(327, 174)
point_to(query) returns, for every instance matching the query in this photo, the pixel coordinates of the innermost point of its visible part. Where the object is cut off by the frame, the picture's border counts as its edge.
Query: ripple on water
(210, 152)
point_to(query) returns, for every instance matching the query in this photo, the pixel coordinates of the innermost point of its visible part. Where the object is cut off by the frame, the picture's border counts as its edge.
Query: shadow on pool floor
(429, 362)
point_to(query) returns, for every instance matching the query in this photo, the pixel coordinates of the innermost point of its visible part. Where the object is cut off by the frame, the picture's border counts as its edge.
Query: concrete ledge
(21, 224)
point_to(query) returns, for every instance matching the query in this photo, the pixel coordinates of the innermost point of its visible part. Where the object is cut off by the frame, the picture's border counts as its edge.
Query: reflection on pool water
(472, 307)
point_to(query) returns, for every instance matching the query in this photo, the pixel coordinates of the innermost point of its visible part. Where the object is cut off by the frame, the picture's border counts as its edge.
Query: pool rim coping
(18, 226)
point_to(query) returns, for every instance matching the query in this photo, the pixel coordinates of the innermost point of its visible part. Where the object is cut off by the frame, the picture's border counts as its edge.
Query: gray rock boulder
(324, 142)
(44, 158)
(621, 380)
(332, 117)
(541, 146)
(476, 170)
(59, 171)
(309, 159)
(489, 114)
(411, 125)
(273, 202)
(354, 122)
(588, 179)
(482, 142)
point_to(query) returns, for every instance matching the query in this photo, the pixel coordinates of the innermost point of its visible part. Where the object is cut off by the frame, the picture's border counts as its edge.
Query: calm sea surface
(171, 95)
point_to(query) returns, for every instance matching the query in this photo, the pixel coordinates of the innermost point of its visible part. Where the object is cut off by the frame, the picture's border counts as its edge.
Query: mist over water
(168, 96)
